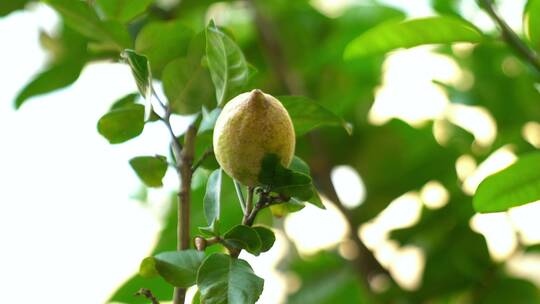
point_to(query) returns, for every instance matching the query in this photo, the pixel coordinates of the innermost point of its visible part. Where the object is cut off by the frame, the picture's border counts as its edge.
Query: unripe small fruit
(252, 125)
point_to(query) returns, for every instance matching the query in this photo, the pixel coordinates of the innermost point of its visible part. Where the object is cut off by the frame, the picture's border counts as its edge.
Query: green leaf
(228, 67)
(293, 205)
(123, 10)
(208, 120)
(510, 290)
(212, 201)
(284, 181)
(179, 268)
(307, 115)
(222, 279)
(84, 19)
(140, 68)
(163, 41)
(150, 169)
(186, 85)
(267, 237)
(7, 7)
(54, 77)
(410, 33)
(516, 185)
(122, 124)
(125, 101)
(532, 23)
(299, 165)
(243, 237)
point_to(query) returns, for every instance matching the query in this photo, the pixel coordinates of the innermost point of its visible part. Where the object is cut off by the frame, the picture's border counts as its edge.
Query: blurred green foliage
(393, 158)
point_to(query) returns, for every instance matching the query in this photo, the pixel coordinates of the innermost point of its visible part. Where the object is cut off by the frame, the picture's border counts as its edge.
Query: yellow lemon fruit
(252, 125)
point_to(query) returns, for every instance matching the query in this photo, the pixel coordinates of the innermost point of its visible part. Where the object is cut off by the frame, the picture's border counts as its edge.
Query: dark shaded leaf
(267, 237)
(179, 268)
(243, 237)
(284, 181)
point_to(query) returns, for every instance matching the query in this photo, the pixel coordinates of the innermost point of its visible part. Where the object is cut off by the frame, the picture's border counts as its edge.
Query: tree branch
(147, 293)
(185, 173)
(184, 161)
(365, 264)
(510, 36)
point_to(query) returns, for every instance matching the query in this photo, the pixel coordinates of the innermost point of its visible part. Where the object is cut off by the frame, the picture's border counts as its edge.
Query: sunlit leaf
(516, 185)
(226, 62)
(150, 169)
(222, 279)
(410, 33)
(284, 181)
(307, 115)
(532, 22)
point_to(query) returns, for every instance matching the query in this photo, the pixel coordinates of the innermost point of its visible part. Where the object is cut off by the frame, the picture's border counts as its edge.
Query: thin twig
(203, 157)
(147, 293)
(511, 38)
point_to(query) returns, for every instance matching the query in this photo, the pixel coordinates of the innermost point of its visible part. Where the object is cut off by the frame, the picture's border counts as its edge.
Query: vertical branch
(249, 204)
(185, 173)
(184, 161)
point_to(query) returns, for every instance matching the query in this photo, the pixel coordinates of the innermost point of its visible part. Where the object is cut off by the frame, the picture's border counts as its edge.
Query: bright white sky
(68, 228)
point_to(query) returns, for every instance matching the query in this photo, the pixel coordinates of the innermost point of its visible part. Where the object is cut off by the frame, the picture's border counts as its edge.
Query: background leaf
(163, 41)
(226, 62)
(222, 279)
(84, 19)
(514, 186)
(405, 34)
(307, 115)
(150, 169)
(123, 10)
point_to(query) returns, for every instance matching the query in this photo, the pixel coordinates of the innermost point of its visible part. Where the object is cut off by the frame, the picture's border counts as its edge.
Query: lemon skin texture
(250, 126)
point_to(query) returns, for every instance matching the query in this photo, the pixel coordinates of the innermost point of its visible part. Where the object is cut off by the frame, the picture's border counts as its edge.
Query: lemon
(252, 125)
